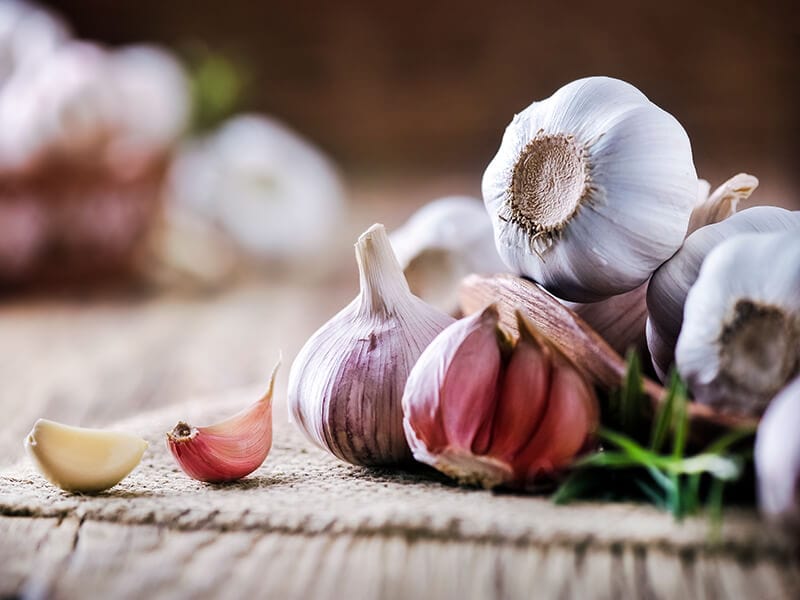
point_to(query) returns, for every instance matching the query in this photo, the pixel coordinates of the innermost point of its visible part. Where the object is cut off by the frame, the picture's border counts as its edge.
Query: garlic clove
(777, 457)
(441, 243)
(528, 425)
(740, 340)
(669, 285)
(346, 384)
(591, 190)
(230, 449)
(723, 202)
(77, 459)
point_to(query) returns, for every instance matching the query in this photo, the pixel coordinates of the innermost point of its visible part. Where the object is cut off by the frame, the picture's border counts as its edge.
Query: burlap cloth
(301, 489)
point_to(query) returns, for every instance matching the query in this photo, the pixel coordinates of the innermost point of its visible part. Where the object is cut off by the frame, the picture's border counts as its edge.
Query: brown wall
(430, 85)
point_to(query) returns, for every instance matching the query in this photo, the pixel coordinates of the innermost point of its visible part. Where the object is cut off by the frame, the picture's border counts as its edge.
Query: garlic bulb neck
(549, 184)
(382, 282)
(763, 336)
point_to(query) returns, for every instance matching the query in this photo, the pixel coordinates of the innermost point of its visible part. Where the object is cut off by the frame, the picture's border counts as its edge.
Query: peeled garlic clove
(228, 450)
(346, 383)
(483, 415)
(591, 190)
(777, 457)
(723, 202)
(78, 459)
(669, 285)
(620, 320)
(740, 341)
(443, 242)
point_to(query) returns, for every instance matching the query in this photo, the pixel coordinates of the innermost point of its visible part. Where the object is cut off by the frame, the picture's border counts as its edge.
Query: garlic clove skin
(228, 450)
(487, 416)
(591, 190)
(669, 285)
(620, 320)
(740, 341)
(82, 460)
(346, 384)
(723, 203)
(777, 457)
(443, 242)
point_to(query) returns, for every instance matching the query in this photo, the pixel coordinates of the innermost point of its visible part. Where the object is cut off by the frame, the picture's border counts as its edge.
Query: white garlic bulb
(441, 243)
(777, 457)
(276, 194)
(28, 33)
(740, 340)
(591, 189)
(669, 285)
(346, 384)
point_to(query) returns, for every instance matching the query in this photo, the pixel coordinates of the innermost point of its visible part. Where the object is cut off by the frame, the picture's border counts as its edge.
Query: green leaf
(665, 416)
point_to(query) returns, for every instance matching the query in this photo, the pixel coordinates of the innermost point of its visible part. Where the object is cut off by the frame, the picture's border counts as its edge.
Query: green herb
(656, 468)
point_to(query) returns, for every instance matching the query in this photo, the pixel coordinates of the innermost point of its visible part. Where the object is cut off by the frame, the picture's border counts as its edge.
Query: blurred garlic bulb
(84, 104)
(485, 414)
(270, 189)
(441, 243)
(740, 340)
(28, 33)
(591, 189)
(669, 285)
(346, 383)
(777, 457)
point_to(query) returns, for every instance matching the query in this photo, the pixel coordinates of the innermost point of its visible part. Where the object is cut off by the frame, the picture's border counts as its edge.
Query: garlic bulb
(277, 195)
(346, 383)
(621, 320)
(591, 189)
(740, 341)
(441, 243)
(777, 457)
(669, 285)
(28, 34)
(485, 414)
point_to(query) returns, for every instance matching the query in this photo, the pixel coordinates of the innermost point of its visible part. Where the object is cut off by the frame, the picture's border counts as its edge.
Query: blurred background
(219, 160)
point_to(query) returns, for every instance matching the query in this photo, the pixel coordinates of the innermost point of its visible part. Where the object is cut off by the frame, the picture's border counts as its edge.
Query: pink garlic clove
(485, 416)
(228, 450)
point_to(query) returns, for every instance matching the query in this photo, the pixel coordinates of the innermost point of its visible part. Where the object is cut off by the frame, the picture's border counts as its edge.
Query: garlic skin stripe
(346, 384)
(669, 285)
(486, 414)
(740, 341)
(591, 190)
(77, 459)
(443, 242)
(230, 449)
(777, 457)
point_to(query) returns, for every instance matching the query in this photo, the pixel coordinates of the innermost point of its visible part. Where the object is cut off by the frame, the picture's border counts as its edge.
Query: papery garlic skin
(591, 189)
(740, 340)
(487, 415)
(669, 285)
(716, 207)
(777, 457)
(346, 384)
(620, 320)
(78, 459)
(228, 450)
(443, 242)
(270, 189)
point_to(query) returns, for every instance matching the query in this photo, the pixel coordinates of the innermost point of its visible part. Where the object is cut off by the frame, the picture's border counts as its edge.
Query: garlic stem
(381, 278)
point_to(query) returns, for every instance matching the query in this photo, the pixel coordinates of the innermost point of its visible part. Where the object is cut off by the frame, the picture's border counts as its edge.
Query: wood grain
(577, 340)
